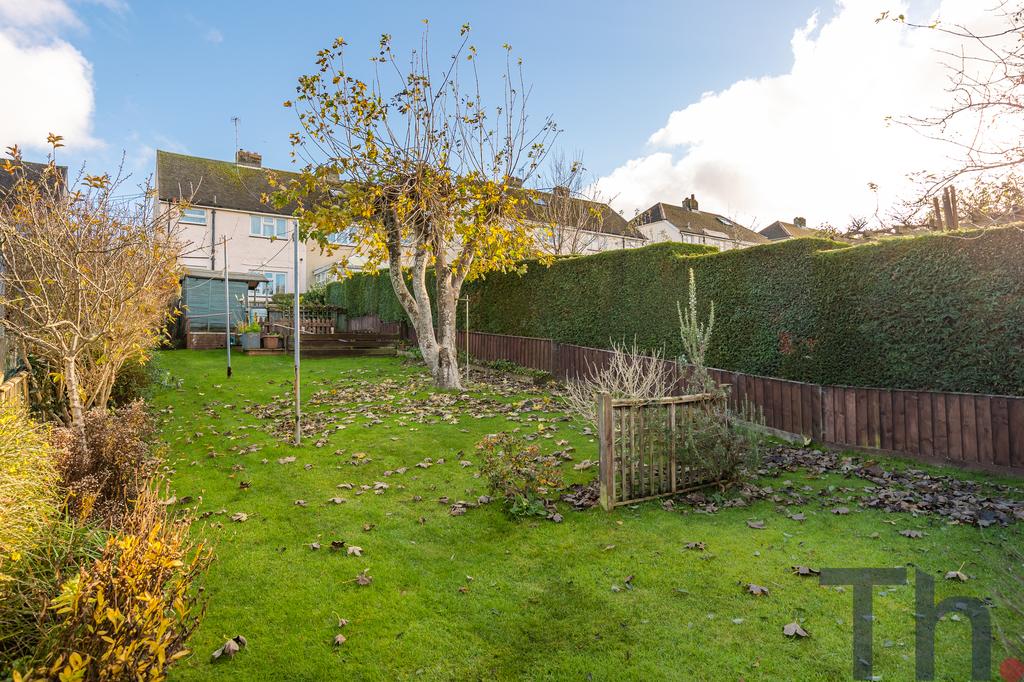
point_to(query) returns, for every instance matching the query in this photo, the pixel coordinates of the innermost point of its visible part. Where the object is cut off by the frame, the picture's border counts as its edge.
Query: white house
(568, 225)
(228, 219)
(669, 223)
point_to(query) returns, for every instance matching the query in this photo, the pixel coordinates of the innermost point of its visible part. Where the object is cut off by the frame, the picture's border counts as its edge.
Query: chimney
(690, 202)
(560, 191)
(800, 221)
(244, 158)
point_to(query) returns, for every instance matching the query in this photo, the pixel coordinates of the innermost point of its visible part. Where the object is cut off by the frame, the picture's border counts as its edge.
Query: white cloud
(48, 82)
(25, 14)
(810, 141)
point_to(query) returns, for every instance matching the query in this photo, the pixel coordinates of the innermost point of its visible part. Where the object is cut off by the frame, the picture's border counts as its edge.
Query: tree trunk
(74, 396)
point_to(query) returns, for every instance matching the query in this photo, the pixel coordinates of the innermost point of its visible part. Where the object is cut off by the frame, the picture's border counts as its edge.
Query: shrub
(107, 467)
(519, 474)
(129, 613)
(32, 581)
(28, 484)
(716, 442)
(133, 382)
(629, 373)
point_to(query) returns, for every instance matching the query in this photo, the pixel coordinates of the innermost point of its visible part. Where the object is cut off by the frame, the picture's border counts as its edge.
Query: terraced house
(569, 225)
(688, 224)
(228, 223)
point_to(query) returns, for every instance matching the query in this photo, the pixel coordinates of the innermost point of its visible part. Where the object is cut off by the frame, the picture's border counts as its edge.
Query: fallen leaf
(756, 590)
(353, 549)
(841, 511)
(956, 575)
(230, 647)
(805, 571)
(756, 525)
(286, 460)
(240, 517)
(364, 578)
(912, 533)
(794, 630)
(339, 639)
(698, 546)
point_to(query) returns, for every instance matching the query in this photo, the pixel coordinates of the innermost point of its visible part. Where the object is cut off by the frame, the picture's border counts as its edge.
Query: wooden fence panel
(14, 391)
(1016, 417)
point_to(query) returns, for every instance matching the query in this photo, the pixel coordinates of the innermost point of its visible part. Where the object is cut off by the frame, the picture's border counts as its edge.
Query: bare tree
(571, 212)
(87, 279)
(419, 166)
(985, 68)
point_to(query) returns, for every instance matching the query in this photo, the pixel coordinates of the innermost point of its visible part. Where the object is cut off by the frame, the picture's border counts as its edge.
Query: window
(268, 226)
(193, 216)
(277, 283)
(346, 237)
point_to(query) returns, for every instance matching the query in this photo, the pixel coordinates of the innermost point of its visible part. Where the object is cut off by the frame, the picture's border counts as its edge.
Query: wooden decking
(345, 344)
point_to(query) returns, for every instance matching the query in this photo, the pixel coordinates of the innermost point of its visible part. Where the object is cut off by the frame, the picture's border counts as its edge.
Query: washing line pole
(467, 340)
(227, 306)
(296, 334)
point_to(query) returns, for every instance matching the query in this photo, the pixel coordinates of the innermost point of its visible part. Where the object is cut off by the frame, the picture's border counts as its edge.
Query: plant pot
(250, 340)
(271, 342)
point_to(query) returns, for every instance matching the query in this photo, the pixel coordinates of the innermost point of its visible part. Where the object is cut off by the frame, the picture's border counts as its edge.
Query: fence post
(606, 436)
(553, 369)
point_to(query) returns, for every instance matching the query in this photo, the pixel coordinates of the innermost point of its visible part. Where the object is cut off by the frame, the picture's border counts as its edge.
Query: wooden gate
(642, 448)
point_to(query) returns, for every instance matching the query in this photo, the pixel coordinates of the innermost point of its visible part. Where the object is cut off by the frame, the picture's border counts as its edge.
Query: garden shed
(203, 314)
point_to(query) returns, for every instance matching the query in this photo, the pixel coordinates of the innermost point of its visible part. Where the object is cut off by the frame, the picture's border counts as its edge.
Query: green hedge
(943, 312)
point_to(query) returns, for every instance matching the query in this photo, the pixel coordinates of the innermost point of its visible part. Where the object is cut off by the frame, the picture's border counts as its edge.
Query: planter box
(271, 342)
(250, 340)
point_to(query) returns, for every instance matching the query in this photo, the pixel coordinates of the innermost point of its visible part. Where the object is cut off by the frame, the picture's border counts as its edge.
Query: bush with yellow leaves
(28, 484)
(128, 613)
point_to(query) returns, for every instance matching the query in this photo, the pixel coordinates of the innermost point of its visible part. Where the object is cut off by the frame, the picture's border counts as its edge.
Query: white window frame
(276, 283)
(193, 216)
(346, 237)
(268, 226)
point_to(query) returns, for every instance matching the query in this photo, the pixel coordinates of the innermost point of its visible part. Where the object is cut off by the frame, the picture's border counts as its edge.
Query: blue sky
(173, 74)
(764, 109)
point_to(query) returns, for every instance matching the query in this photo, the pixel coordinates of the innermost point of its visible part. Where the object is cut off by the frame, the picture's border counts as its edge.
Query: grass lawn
(481, 596)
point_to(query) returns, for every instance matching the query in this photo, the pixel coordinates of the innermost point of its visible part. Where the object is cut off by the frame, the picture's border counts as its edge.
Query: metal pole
(467, 339)
(295, 337)
(227, 306)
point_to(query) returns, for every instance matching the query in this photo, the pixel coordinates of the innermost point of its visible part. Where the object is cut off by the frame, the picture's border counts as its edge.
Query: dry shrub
(105, 470)
(28, 484)
(129, 613)
(519, 473)
(629, 373)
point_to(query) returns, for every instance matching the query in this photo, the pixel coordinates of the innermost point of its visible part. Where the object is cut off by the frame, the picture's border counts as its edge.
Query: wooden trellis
(642, 445)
